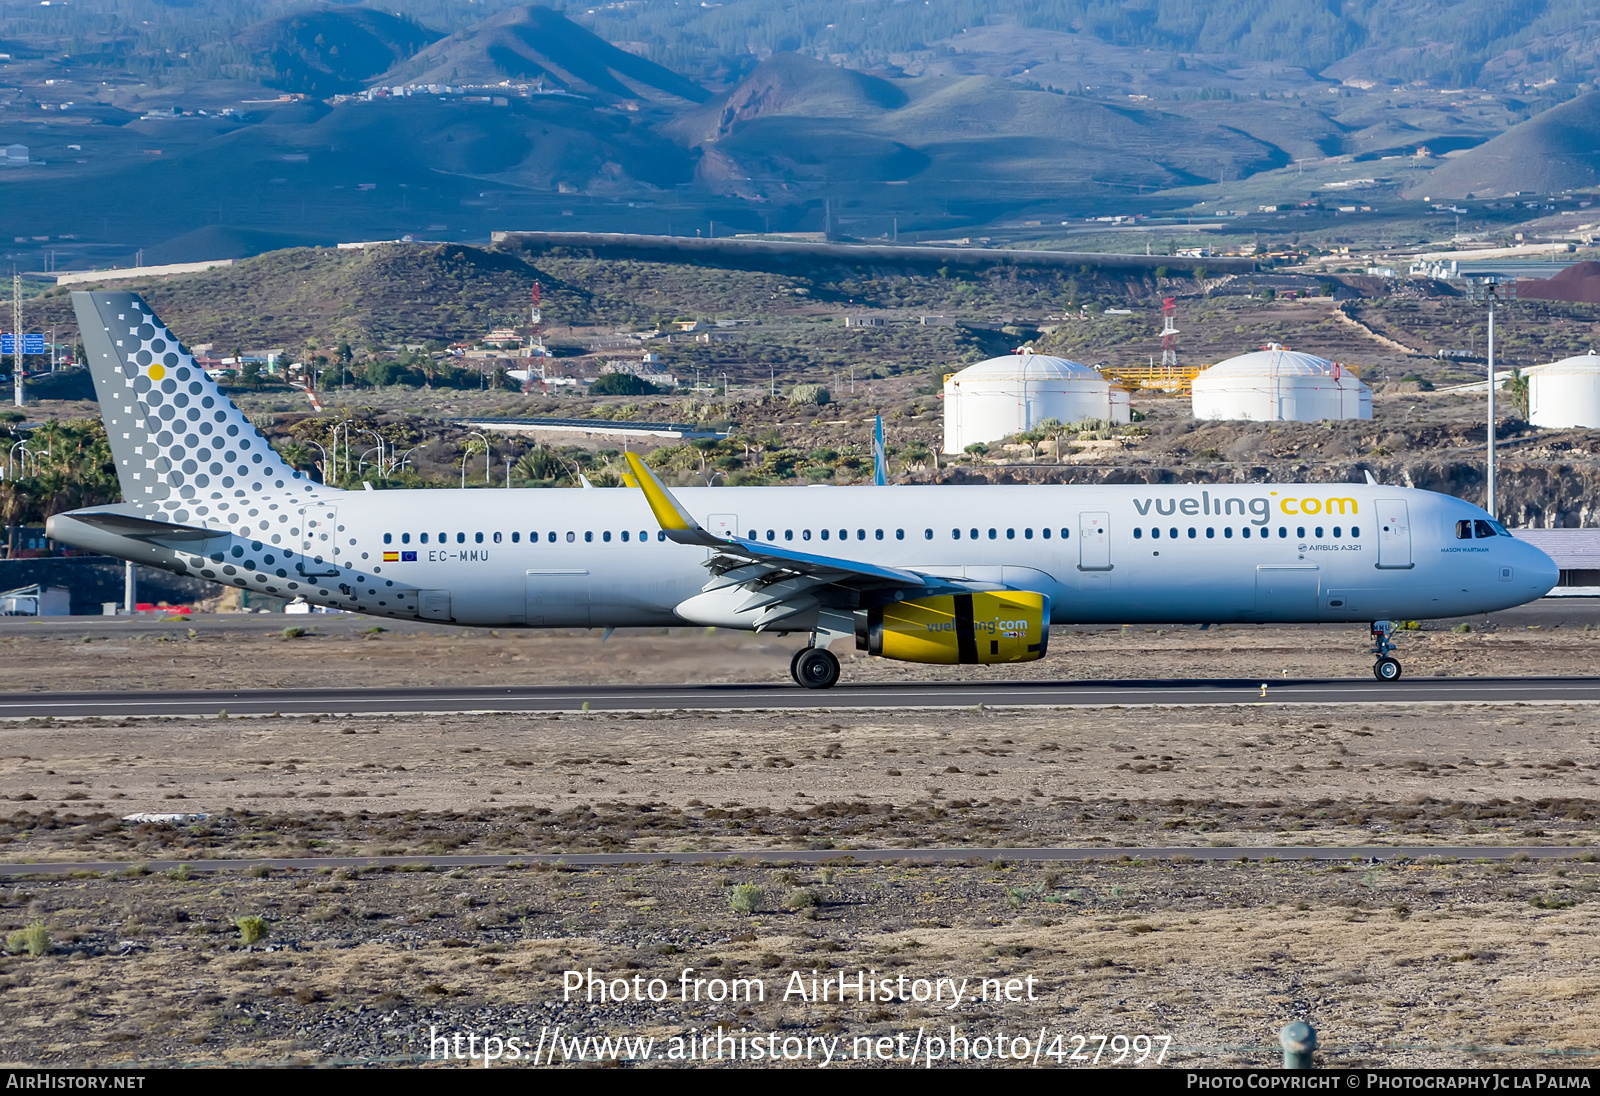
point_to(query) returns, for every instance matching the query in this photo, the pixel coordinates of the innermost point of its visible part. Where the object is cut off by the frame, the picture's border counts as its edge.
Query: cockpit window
(1464, 529)
(1483, 528)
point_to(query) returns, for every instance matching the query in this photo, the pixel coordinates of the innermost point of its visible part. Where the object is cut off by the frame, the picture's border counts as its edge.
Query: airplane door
(558, 598)
(1094, 542)
(1394, 534)
(723, 525)
(319, 528)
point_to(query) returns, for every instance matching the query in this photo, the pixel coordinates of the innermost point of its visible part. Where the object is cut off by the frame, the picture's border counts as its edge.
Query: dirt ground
(1404, 965)
(1396, 963)
(93, 653)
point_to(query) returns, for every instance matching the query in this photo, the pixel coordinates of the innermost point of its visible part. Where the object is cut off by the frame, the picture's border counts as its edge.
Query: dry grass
(1392, 964)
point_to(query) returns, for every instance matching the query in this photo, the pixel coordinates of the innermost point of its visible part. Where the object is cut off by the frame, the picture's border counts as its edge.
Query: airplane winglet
(670, 514)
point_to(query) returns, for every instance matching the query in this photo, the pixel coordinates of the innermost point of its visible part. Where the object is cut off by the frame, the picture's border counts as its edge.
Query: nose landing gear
(1387, 667)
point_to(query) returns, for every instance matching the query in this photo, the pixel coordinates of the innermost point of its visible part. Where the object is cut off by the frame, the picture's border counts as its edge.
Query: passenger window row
(1227, 532)
(626, 536)
(533, 538)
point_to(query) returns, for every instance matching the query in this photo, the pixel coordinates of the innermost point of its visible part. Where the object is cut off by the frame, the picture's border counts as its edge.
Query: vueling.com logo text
(1318, 506)
(1257, 510)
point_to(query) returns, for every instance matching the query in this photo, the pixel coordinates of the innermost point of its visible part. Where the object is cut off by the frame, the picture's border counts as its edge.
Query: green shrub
(294, 631)
(35, 940)
(801, 898)
(745, 898)
(622, 384)
(252, 929)
(814, 394)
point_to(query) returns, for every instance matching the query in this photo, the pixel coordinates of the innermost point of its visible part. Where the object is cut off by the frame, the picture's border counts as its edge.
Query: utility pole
(16, 336)
(1488, 491)
(1489, 289)
(536, 345)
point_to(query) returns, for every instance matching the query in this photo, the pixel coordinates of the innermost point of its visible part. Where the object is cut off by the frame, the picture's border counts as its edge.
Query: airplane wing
(775, 576)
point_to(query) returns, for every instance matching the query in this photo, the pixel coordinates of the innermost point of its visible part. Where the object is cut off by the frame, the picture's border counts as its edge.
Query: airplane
(937, 574)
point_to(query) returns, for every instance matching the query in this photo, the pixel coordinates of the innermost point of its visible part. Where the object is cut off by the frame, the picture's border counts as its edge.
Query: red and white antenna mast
(1169, 334)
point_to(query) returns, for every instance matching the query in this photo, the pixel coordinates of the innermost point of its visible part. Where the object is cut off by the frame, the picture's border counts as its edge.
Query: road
(656, 698)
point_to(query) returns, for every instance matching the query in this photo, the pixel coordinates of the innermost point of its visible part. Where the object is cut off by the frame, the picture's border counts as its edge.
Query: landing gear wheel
(816, 668)
(794, 665)
(1386, 669)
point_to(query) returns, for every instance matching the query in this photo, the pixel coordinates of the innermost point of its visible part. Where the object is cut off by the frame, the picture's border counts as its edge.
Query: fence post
(1298, 1039)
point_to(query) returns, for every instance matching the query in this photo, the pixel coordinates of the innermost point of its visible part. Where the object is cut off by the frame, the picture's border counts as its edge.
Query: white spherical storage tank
(1015, 393)
(1280, 385)
(1565, 393)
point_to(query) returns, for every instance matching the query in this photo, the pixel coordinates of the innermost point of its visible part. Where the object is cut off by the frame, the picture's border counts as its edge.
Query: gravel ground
(1394, 963)
(243, 652)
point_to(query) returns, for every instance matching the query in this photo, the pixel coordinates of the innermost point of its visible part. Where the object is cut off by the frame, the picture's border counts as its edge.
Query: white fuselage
(1201, 554)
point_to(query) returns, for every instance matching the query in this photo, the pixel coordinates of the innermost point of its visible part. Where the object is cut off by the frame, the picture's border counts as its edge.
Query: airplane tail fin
(177, 440)
(880, 463)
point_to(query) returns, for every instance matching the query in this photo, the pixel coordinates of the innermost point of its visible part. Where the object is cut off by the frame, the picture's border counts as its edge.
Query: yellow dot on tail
(157, 372)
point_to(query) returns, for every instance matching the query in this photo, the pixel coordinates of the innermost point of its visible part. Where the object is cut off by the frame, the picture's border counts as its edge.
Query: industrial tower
(1169, 334)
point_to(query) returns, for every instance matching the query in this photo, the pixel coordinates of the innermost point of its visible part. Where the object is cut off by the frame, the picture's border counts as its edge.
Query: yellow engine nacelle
(993, 626)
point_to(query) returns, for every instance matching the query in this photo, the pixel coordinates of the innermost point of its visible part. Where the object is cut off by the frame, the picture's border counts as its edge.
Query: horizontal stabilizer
(126, 525)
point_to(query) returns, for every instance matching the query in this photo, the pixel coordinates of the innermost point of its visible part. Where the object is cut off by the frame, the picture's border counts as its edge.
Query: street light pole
(1488, 289)
(324, 453)
(486, 455)
(1489, 493)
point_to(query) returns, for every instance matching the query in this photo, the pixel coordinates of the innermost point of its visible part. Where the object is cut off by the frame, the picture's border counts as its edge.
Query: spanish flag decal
(391, 557)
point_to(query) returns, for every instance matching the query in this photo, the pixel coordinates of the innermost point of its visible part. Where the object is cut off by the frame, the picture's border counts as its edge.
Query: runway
(1171, 853)
(844, 697)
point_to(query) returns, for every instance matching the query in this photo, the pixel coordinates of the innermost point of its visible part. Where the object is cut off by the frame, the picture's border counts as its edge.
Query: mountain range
(524, 117)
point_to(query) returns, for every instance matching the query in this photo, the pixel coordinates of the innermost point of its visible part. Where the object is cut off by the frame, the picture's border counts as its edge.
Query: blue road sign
(31, 343)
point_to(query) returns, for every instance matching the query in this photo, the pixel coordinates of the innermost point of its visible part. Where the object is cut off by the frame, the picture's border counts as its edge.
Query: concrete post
(130, 588)
(1298, 1039)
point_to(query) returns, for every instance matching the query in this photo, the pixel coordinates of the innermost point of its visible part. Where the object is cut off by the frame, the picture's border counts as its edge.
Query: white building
(1279, 385)
(1013, 394)
(1565, 393)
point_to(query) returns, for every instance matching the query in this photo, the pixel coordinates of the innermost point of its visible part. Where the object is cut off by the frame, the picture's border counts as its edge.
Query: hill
(794, 85)
(795, 122)
(1554, 151)
(535, 43)
(307, 173)
(329, 50)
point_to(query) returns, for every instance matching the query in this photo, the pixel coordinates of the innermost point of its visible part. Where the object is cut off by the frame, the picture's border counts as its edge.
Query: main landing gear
(814, 668)
(1387, 667)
